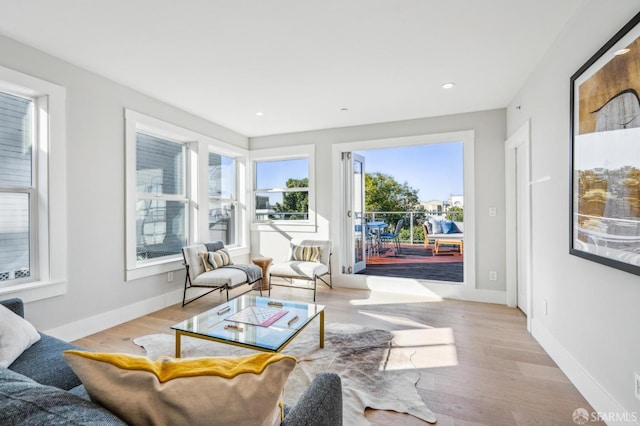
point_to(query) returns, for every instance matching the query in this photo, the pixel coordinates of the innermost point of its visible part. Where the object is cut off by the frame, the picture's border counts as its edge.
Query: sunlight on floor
(395, 320)
(421, 348)
(389, 290)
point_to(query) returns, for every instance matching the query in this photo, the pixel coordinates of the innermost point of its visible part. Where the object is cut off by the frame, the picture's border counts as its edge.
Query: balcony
(411, 258)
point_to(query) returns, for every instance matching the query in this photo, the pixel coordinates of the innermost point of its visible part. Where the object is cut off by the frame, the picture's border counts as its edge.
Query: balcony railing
(411, 231)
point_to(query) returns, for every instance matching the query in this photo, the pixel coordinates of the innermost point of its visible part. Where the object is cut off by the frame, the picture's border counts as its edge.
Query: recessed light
(621, 51)
(344, 109)
(259, 114)
(448, 85)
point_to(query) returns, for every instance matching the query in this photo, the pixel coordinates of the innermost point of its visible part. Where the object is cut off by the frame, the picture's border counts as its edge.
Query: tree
(294, 202)
(456, 214)
(384, 193)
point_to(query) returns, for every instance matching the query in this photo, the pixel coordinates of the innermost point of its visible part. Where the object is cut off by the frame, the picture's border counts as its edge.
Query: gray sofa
(39, 388)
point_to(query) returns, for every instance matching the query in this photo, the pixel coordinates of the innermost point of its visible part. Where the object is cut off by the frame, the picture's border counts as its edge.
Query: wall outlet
(170, 277)
(637, 383)
(493, 276)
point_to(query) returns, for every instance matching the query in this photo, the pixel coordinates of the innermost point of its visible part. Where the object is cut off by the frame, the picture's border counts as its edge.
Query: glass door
(355, 232)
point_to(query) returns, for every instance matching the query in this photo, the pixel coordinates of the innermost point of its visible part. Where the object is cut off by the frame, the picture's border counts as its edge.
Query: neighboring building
(433, 207)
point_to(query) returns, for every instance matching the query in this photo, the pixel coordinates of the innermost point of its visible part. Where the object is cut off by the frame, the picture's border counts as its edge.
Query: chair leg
(314, 288)
(269, 285)
(184, 294)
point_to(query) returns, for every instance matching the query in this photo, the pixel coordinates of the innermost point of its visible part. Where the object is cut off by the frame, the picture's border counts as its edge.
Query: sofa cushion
(25, 402)
(296, 269)
(193, 391)
(436, 225)
(16, 336)
(43, 363)
(220, 277)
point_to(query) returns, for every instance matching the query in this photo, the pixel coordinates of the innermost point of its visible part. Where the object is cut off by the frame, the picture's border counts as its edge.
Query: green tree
(384, 193)
(455, 214)
(294, 202)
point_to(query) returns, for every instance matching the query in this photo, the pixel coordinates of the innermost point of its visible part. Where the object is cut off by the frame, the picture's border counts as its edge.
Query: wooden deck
(416, 261)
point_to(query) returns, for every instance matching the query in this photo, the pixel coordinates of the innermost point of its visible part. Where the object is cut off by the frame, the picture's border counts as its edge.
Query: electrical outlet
(493, 276)
(637, 387)
(170, 277)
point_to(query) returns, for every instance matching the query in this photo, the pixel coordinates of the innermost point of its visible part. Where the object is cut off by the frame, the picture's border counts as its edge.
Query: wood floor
(478, 364)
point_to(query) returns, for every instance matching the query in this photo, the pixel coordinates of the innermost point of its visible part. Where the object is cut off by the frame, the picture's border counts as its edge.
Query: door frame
(520, 139)
(467, 290)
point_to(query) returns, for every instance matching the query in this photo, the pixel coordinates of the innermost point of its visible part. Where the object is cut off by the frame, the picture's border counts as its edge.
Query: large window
(161, 200)
(33, 231)
(182, 189)
(222, 217)
(17, 188)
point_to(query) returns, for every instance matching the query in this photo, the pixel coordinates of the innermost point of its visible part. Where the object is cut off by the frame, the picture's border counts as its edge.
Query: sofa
(40, 388)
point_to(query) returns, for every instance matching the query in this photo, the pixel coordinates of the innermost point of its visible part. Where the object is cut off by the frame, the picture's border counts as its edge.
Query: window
(282, 190)
(283, 187)
(161, 200)
(222, 217)
(32, 187)
(17, 188)
(182, 189)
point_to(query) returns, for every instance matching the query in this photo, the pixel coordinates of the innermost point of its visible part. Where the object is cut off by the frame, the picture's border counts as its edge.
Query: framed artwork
(605, 154)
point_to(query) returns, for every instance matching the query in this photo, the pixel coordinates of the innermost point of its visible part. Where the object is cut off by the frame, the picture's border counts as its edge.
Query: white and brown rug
(373, 374)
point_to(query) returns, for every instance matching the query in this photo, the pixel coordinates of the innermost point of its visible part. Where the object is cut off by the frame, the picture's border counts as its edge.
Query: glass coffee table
(252, 322)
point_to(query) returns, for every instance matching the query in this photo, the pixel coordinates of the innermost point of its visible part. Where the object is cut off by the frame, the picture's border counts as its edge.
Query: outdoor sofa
(39, 388)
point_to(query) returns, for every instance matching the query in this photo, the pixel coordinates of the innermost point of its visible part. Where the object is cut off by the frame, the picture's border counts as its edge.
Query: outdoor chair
(308, 260)
(387, 237)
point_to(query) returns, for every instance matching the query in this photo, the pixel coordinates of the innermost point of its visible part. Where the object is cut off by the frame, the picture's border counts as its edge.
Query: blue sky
(435, 170)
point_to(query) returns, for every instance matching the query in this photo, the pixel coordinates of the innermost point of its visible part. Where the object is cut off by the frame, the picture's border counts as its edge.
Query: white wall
(591, 328)
(489, 127)
(95, 193)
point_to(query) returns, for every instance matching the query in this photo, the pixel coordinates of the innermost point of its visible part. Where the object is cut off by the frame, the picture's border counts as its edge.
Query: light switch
(492, 211)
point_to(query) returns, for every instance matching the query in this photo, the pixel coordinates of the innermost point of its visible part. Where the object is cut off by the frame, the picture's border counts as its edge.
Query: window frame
(281, 154)
(47, 216)
(196, 189)
(184, 197)
(212, 149)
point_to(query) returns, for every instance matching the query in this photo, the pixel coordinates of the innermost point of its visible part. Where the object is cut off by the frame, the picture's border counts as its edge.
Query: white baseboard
(593, 392)
(94, 324)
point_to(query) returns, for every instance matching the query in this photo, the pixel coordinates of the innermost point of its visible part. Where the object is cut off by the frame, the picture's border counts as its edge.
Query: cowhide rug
(372, 374)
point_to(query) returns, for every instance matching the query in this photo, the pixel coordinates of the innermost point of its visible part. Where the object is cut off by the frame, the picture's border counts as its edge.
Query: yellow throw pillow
(204, 256)
(220, 258)
(306, 253)
(186, 391)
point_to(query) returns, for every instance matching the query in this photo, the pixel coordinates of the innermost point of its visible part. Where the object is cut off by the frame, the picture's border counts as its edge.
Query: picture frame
(605, 154)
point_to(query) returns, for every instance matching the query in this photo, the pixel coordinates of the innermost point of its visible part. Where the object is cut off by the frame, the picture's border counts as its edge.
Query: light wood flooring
(478, 364)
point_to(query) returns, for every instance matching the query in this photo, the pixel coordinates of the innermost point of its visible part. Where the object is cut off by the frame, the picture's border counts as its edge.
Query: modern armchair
(308, 260)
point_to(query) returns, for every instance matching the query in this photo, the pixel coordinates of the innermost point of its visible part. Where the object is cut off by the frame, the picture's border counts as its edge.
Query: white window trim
(51, 240)
(198, 164)
(278, 154)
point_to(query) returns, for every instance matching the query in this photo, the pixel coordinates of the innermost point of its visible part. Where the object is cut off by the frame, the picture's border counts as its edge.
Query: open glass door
(354, 230)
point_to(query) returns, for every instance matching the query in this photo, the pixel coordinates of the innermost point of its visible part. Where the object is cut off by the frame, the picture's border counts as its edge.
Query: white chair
(299, 266)
(221, 279)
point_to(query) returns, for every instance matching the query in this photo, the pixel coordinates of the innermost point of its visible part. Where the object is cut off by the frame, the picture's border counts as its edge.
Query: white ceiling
(300, 61)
